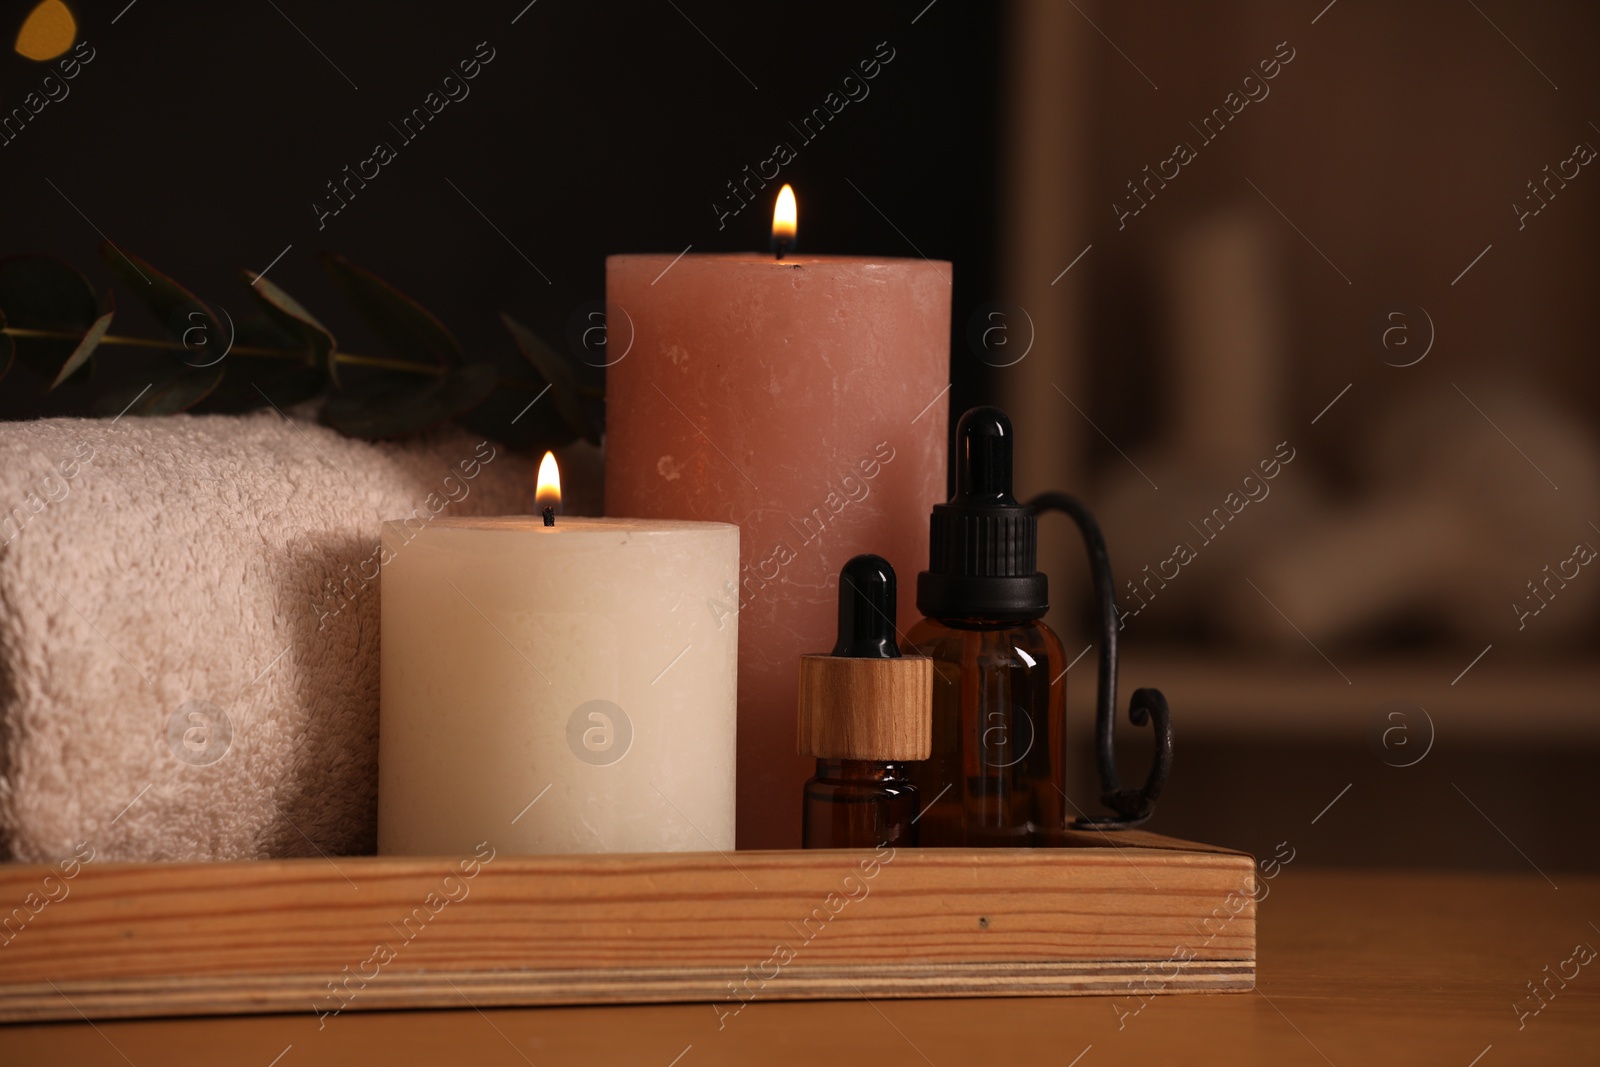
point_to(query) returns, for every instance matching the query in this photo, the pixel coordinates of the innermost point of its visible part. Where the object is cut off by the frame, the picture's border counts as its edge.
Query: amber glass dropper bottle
(865, 711)
(999, 695)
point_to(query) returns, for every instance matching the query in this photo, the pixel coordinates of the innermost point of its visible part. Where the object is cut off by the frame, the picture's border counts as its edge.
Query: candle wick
(781, 246)
(549, 516)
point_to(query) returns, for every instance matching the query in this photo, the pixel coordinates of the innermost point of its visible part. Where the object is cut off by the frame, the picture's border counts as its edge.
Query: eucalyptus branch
(405, 366)
(446, 384)
(349, 359)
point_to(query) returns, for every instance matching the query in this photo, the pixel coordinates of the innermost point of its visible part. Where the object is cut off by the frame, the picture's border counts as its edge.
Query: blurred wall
(1334, 264)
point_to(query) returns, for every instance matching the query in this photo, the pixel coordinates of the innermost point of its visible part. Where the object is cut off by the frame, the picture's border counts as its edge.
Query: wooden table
(1355, 969)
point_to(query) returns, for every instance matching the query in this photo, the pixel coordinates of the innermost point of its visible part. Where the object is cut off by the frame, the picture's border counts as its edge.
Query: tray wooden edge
(290, 993)
(1128, 967)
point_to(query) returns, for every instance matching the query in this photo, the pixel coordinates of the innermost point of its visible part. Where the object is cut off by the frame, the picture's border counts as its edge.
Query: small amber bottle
(998, 769)
(865, 711)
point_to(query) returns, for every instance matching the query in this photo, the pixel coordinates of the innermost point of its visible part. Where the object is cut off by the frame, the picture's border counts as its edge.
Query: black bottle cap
(983, 545)
(866, 610)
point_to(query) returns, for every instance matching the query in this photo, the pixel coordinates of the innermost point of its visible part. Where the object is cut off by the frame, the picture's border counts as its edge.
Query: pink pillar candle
(804, 400)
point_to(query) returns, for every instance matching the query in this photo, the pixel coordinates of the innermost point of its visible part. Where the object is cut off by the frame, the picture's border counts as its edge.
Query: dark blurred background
(1363, 263)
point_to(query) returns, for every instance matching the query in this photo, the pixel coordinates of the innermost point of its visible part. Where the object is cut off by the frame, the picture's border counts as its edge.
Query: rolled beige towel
(189, 628)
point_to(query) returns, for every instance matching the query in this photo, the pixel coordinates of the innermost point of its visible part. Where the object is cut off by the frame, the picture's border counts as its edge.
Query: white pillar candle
(557, 689)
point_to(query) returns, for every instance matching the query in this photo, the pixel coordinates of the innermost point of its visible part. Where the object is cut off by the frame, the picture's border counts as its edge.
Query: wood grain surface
(871, 709)
(349, 934)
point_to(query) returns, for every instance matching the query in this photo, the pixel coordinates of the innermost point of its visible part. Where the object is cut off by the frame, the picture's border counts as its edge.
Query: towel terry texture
(189, 628)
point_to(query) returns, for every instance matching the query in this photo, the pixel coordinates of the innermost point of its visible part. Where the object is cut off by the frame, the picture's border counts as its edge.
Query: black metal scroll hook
(1132, 806)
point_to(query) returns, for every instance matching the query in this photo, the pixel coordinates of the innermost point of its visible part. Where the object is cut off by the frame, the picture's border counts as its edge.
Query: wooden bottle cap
(866, 709)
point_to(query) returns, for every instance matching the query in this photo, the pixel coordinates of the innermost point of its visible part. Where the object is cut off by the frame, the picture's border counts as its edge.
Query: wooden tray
(1143, 915)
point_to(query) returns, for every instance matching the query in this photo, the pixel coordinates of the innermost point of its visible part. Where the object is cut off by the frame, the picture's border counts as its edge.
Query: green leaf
(392, 405)
(43, 293)
(178, 393)
(188, 320)
(405, 327)
(298, 323)
(91, 341)
(250, 381)
(565, 392)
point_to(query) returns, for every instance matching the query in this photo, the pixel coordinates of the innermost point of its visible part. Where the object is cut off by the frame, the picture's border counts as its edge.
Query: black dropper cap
(983, 545)
(866, 610)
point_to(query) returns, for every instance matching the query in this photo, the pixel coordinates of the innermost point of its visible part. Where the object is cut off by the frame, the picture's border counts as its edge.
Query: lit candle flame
(785, 221)
(548, 492)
